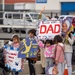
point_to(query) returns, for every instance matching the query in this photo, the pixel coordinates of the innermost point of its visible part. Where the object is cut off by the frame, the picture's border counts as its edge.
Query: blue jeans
(68, 57)
(49, 61)
(60, 67)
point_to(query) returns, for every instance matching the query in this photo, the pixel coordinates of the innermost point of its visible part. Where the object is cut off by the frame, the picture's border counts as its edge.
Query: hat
(13, 35)
(68, 23)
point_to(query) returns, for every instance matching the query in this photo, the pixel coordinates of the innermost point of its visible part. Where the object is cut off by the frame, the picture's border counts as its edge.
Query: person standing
(59, 54)
(68, 41)
(49, 53)
(15, 43)
(43, 60)
(32, 61)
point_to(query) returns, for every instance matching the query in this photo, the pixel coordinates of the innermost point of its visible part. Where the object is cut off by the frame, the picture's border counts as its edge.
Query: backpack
(52, 70)
(56, 49)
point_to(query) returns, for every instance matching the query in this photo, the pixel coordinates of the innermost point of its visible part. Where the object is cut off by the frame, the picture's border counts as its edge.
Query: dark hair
(49, 41)
(57, 39)
(17, 37)
(33, 31)
(48, 17)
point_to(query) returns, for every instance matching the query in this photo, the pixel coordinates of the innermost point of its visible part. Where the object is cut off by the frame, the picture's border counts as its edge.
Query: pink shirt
(50, 51)
(59, 54)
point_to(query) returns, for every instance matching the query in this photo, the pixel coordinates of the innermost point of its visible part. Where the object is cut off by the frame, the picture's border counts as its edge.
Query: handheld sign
(28, 48)
(48, 29)
(11, 58)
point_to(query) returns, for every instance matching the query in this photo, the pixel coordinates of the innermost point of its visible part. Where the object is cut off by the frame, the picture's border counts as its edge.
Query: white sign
(48, 29)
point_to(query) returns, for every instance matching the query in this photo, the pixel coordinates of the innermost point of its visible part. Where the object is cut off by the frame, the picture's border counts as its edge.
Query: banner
(28, 48)
(11, 59)
(48, 29)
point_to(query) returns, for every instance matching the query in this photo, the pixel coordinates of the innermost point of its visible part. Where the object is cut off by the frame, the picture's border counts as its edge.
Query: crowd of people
(63, 50)
(57, 51)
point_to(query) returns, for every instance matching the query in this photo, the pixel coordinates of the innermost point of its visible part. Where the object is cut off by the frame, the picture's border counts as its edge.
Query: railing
(13, 25)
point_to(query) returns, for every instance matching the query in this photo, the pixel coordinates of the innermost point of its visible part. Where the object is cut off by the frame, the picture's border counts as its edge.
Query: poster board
(11, 58)
(28, 49)
(48, 29)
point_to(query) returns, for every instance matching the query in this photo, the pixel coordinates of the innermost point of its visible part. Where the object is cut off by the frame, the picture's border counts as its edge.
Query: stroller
(3, 70)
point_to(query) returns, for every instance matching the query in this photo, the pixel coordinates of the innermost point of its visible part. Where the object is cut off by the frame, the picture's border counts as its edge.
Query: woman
(68, 40)
(43, 59)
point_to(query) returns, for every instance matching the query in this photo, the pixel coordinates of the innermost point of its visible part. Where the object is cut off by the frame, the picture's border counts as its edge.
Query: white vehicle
(20, 18)
(62, 17)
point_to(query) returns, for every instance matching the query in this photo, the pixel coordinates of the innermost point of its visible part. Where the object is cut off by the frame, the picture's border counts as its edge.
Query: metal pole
(3, 5)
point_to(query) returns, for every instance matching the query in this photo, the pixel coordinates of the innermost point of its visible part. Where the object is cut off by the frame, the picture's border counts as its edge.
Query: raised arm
(40, 14)
(42, 10)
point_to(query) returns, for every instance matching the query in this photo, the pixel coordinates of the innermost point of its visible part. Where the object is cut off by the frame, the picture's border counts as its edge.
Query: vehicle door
(7, 19)
(16, 19)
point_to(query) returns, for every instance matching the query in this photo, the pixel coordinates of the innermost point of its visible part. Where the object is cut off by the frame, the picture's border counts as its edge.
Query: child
(11, 57)
(49, 52)
(31, 61)
(15, 44)
(59, 51)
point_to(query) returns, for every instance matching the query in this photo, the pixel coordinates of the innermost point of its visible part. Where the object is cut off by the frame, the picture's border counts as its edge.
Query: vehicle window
(34, 16)
(61, 17)
(70, 17)
(16, 16)
(9, 16)
(6, 15)
(21, 16)
(28, 18)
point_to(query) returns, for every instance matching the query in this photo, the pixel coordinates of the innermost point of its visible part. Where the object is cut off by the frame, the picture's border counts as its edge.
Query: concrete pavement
(38, 68)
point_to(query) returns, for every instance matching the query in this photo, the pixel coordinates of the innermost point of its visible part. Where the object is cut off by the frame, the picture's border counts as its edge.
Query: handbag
(52, 70)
